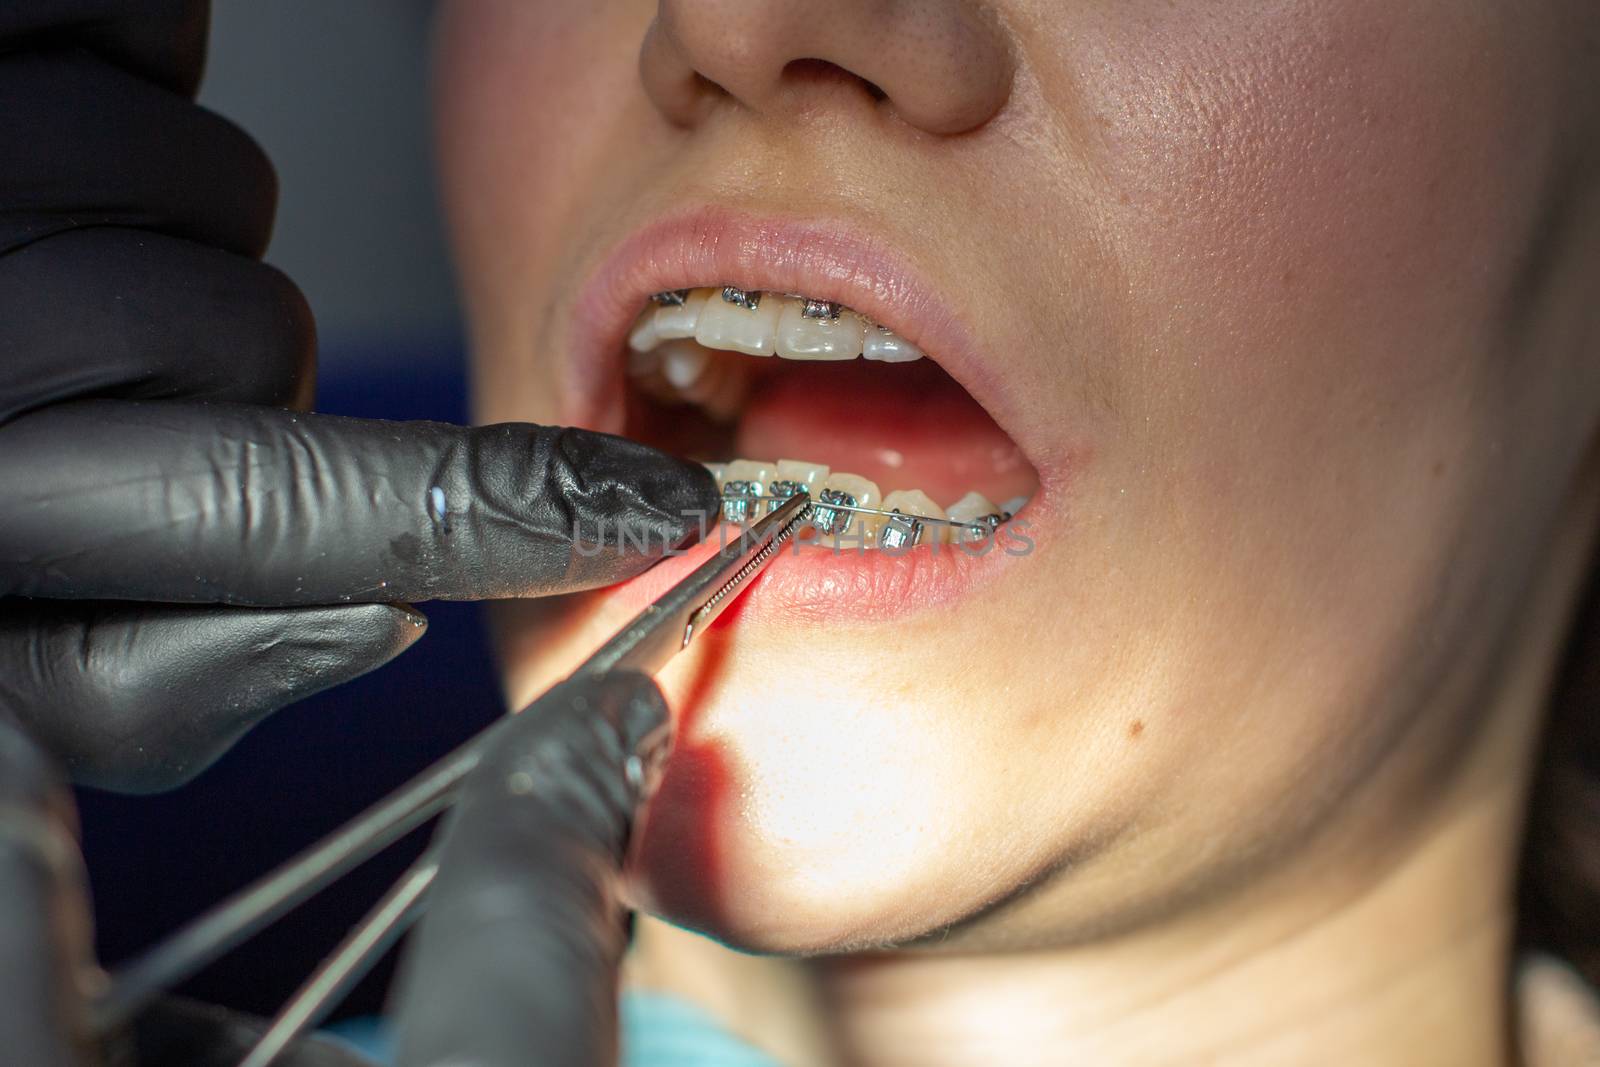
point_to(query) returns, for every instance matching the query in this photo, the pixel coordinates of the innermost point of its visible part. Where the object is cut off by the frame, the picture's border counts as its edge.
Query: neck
(1369, 976)
(1396, 955)
(1361, 976)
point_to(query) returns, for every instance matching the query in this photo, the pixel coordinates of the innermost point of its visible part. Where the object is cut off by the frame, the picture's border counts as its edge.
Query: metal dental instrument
(342, 968)
(643, 644)
(646, 644)
(372, 936)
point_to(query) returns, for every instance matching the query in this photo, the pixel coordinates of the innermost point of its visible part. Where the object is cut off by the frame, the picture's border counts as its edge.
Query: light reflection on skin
(1311, 282)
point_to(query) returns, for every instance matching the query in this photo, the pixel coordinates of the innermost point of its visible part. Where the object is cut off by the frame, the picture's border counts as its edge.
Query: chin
(751, 888)
(803, 823)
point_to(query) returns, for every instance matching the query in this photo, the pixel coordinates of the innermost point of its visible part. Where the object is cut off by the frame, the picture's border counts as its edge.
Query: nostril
(945, 66)
(820, 71)
(704, 86)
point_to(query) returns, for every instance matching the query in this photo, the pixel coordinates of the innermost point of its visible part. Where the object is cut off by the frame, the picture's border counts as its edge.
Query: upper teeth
(765, 324)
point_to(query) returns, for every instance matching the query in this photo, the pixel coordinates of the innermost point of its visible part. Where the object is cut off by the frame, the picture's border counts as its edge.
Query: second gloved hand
(516, 958)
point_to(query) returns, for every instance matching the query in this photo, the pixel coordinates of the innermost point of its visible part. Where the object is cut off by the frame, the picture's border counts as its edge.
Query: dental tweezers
(664, 628)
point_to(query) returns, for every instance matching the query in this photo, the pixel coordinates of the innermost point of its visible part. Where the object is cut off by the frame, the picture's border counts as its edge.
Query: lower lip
(818, 583)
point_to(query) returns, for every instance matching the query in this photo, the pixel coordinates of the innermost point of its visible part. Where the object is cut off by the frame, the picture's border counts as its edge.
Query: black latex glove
(516, 960)
(146, 454)
(46, 966)
(180, 552)
(514, 963)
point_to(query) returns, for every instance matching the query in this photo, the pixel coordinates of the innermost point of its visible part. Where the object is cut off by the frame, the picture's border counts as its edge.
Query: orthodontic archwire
(737, 506)
(750, 299)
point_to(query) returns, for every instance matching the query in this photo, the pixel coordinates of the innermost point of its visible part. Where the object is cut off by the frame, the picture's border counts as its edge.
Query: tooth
(643, 336)
(752, 470)
(670, 297)
(898, 533)
(886, 346)
(809, 475)
(719, 372)
(854, 490)
(971, 509)
(723, 393)
(913, 502)
(1014, 505)
(679, 320)
(744, 483)
(644, 371)
(681, 370)
(814, 329)
(728, 322)
(795, 476)
(683, 363)
(718, 471)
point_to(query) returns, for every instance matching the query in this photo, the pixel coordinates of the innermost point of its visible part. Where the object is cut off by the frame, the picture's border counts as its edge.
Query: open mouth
(810, 354)
(781, 394)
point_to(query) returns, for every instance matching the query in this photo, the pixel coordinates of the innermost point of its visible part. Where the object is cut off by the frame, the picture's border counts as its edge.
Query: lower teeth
(845, 510)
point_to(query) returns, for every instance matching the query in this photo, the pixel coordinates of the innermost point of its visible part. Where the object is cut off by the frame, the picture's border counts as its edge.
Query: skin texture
(1301, 294)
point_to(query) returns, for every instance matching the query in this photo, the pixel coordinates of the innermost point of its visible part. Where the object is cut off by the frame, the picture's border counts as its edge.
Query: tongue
(903, 425)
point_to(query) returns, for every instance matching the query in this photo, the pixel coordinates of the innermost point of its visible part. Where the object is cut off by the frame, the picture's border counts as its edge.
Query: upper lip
(711, 245)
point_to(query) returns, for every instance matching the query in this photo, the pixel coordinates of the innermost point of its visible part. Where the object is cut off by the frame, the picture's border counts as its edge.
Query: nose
(942, 66)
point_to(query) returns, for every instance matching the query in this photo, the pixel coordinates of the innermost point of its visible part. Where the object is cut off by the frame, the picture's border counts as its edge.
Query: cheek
(1314, 180)
(532, 101)
(1316, 210)
(1316, 213)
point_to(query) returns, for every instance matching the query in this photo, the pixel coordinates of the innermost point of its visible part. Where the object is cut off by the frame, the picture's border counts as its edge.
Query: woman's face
(1276, 307)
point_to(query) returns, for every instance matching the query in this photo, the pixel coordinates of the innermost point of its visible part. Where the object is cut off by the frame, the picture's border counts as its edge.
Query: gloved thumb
(516, 961)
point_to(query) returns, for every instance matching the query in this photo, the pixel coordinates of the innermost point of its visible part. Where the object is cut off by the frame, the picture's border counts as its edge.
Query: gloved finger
(153, 317)
(163, 41)
(141, 698)
(516, 960)
(175, 1031)
(234, 504)
(44, 917)
(137, 156)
